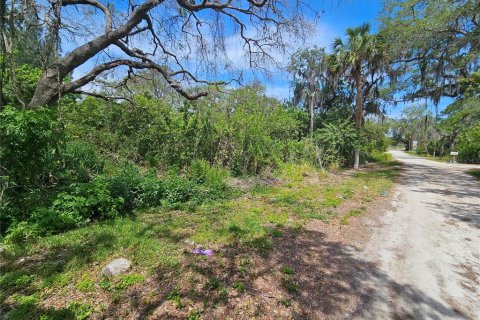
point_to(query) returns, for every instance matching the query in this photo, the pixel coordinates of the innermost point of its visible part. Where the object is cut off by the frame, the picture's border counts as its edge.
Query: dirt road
(427, 247)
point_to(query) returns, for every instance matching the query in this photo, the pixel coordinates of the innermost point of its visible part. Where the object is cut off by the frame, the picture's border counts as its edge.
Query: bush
(337, 141)
(469, 146)
(373, 138)
(22, 231)
(125, 185)
(151, 191)
(82, 161)
(380, 156)
(180, 190)
(203, 173)
(68, 212)
(30, 145)
(241, 130)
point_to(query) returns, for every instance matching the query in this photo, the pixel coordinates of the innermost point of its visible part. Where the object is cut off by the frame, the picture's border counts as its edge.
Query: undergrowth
(156, 239)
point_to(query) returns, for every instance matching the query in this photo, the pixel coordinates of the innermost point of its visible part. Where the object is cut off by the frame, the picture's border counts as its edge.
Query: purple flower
(206, 252)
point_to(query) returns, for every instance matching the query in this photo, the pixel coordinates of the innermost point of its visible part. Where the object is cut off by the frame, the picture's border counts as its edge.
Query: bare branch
(98, 5)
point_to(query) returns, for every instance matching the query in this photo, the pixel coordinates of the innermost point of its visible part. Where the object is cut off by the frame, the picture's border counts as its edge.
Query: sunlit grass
(156, 239)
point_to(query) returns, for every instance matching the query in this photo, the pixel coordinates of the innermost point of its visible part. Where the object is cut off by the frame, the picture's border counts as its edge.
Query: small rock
(116, 267)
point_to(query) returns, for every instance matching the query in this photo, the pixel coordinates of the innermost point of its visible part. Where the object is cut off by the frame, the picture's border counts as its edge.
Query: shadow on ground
(460, 191)
(290, 273)
(304, 276)
(298, 274)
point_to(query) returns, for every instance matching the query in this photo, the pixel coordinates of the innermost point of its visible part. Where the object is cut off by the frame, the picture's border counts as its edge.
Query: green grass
(155, 240)
(352, 213)
(239, 286)
(474, 172)
(428, 156)
(125, 281)
(288, 284)
(287, 270)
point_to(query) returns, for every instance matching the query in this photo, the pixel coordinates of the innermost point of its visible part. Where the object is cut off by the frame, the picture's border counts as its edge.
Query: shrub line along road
(427, 246)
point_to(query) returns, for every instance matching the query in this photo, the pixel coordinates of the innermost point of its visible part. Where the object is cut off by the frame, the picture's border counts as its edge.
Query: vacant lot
(277, 251)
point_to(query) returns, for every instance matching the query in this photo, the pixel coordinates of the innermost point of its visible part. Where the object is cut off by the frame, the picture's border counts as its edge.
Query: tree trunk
(453, 139)
(50, 84)
(312, 105)
(3, 4)
(358, 113)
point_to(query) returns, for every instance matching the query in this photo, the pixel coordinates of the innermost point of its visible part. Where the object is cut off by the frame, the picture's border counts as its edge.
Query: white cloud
(280, 92)
(277, 82)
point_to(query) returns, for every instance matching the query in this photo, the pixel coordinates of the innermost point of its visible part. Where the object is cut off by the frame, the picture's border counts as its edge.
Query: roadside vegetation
(475, 173)
(200, 182)
(429, 156)
(65, 269)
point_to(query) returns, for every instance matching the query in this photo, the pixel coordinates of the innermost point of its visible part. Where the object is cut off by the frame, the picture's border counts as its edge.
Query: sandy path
(427, 248)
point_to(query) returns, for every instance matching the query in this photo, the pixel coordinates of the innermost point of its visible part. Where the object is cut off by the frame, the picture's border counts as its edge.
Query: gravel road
(426, 247)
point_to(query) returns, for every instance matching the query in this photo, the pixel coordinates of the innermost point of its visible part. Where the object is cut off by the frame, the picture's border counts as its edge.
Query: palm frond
(337, 44)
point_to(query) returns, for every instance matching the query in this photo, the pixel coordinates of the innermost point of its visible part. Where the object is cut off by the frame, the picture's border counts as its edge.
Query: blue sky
(336, 16)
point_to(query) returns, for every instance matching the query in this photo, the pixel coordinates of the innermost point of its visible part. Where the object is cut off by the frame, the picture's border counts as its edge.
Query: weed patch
(474, 172)
(155, 240)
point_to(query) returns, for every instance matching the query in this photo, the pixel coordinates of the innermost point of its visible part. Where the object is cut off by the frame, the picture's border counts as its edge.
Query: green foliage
(239, 286)
(15, 280)
(373, 138)
(151, 191)
(129, 280)
(471, 85)
(337, 140)
(287, 270)
(469, 146)
(289, 284)
(475, 173)
(203, 173)
(19, 89)
(30, 145)
(380, 156)
(81, 161)
(80, 311)
(438, 39)
(86, 284)
(241, 130)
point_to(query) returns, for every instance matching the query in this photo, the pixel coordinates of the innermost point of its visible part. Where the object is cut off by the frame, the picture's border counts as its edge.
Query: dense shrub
(30, 145)
(337, 141)
(373, 138)
(151, 191)
(106, 159)
(123, 184)
(109, 195)
(469, 146)
(81, 161)
(241, 130)
(30, 160)
(380, 156)
(213, 177)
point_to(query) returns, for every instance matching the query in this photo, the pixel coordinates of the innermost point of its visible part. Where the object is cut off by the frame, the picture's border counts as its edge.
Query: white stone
(116, 267)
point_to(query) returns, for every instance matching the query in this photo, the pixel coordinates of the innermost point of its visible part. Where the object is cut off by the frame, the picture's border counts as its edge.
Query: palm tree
(357, 57)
